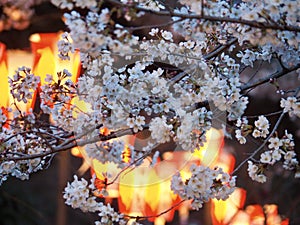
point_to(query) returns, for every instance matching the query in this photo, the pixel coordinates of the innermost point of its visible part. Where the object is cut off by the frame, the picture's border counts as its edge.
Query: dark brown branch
(263, 80)
(255, 24)
(153, 25)
(72, 142)
(219, 49)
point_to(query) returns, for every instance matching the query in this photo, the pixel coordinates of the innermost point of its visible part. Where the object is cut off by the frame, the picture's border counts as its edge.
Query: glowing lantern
(16, 59)
(222, 212)
(139, 191)
(265, 215)
(272, 216)
(4, 99)
(42, 41)
(229, 212)
(225, 161)
(46, 60)
(173, 162)
(209, 152)
(166, 197)
(101, 171)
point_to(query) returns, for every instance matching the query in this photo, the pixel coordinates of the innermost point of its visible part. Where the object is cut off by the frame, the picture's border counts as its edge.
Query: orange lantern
(226, 161)
(265, 215)
(230, 212)
(41, 41)
(4, 99)
(210, 151)
(222, 212)
(173, 162)
(139, 191)
(46, 60)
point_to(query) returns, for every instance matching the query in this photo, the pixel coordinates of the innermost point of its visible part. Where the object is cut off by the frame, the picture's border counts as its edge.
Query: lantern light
(4, 99)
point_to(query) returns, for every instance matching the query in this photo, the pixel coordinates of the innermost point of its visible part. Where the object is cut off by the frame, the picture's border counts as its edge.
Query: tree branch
(255, 24)
(275, 75)
(262, 145)
(220, 49)
(72, 142)
(153, 25)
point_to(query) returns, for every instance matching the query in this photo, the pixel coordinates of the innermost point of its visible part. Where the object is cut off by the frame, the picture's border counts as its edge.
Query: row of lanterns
(145, 190)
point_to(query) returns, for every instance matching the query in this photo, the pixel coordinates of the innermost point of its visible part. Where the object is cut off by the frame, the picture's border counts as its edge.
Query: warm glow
(44, 48)
(222, 212)
(35, 38)
(209, 152)
(4, 99)
(46, 64)
(76, 152)
(110, 171)
(176, 161)
(256, 214)
(241, 218)
(159, 221)
(225, 161)
(16, 59)
(81, 106)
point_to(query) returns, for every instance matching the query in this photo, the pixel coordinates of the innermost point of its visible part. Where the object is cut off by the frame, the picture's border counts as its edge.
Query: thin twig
(153, 25)
(268, 114)
(158, 215)
(219, 49)
(263, 80)
(261, 146)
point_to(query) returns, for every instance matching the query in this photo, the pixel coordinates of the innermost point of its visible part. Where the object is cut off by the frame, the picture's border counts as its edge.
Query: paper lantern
(102, 169)
(137, 188)
(226, 161)
(4, 99)
(44, 49)
(209, 152)
(18, 58)
(222, 212)
(173, 162)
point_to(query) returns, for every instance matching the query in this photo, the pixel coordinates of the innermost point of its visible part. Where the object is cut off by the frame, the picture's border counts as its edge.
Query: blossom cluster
(66, 4)
(242, 16)
(79, 194)
(261, 127)
(203, 185)
(23, 84)
(141, 96)
(26, 137)
(111, 151)
(56, 95)
(291, 105)
(280, 149)
(16, 146)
